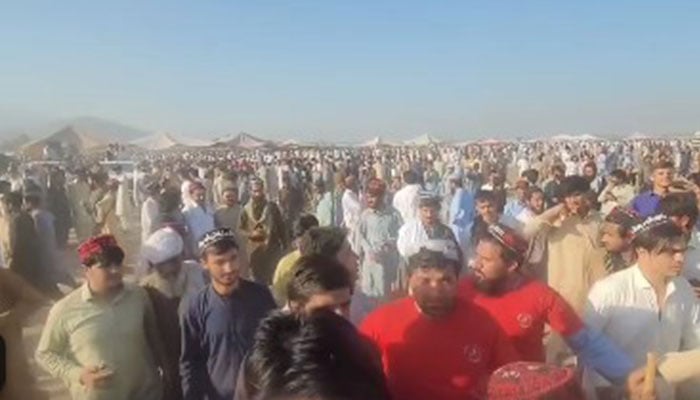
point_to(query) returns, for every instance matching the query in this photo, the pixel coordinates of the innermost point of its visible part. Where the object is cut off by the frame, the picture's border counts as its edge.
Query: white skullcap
(162, 245)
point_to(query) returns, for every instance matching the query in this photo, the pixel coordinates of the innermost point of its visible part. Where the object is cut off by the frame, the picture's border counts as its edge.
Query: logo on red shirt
(524, 320)
(473, 353)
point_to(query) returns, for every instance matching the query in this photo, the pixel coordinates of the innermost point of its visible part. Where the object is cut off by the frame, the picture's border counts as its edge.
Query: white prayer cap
(162, 245)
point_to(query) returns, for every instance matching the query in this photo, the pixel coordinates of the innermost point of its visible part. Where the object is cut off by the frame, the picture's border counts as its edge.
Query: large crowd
(528, 270)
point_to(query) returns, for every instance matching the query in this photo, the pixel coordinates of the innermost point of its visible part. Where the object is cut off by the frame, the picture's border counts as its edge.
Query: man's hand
(95, 377)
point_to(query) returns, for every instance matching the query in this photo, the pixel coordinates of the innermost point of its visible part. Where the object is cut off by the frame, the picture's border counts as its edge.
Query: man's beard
(434, 309)
(491, 287)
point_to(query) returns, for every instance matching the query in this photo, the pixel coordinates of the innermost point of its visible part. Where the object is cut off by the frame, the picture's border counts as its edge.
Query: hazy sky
(341, 70)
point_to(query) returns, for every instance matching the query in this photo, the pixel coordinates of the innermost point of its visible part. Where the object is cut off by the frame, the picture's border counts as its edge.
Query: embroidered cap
(509, 238)
(651, 223)
(533, 381)
(215, 236)
(428, 199)
(94, 246)
(625, 217)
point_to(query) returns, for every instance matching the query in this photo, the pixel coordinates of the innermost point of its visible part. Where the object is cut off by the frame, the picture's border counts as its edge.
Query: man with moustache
(434, 344)
(523, 306)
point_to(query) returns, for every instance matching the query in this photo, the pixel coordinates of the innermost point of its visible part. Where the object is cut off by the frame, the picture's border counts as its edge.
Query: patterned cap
(651, 223)
(625, 217)
(215, 236)
(94, 246)
(533, 381)
(509, 238)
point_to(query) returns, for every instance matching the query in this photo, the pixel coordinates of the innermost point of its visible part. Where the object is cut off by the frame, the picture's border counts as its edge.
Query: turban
(376, 187)
(95, 246)
(625, 217)
(217, 235)
(509, 238)
(163, 245)
(533, 381)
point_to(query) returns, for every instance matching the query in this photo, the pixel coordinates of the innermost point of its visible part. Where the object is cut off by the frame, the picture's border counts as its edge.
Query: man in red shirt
(522, 306)
(435, 345)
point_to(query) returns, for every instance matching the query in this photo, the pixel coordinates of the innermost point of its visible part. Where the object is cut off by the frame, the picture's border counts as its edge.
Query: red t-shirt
(523, 312)
(446, 359)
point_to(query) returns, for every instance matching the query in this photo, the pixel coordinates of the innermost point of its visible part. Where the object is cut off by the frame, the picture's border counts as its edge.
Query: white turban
(162, 245)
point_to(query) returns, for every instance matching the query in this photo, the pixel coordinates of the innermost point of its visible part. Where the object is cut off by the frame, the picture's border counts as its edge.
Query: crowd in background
(435, 272)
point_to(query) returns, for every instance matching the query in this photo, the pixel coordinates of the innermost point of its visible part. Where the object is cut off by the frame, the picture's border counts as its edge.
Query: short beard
(491, 288)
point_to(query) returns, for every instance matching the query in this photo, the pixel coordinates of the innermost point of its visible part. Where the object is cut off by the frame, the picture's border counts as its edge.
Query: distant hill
(99, 127)
(14, 142)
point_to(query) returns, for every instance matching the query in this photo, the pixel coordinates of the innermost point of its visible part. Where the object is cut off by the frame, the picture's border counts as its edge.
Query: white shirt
(149, 218)
(406, 201)
(351, 209)
(624, 308)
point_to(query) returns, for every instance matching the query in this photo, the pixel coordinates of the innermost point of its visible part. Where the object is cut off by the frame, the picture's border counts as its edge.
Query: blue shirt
(646, 204)
(217, 332)
(462, 208)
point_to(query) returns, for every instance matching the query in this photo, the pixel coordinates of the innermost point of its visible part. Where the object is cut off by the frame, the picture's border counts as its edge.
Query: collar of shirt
(641, 282)
(87, 296)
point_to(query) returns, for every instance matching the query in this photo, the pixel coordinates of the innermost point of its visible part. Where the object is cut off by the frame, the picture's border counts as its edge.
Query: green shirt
(81, 332)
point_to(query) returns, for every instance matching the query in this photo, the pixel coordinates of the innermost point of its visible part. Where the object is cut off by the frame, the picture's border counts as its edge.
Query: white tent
(165, 140)
(244, 141)
(376, 142)
(573, 138)
(423, 140)
(638, 136)
(70, 138)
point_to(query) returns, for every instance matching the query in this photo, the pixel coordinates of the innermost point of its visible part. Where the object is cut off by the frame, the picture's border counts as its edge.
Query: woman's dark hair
(325, 240)
(315, 274)
(321, 357)
(108, 257)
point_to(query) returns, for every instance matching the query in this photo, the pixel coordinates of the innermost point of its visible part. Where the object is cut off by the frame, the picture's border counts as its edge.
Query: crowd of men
(512, 271)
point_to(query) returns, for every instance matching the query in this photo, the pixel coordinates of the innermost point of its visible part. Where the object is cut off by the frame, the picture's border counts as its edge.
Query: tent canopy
(166, 140)
(244, 141)
(377, 142)
(423, 140)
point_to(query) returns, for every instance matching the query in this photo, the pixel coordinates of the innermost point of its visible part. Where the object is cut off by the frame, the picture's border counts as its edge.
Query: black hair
(13, 200)
(430, 259)
(410, 177)
(315, 274)
(219, 247)
(113, 255)
(531, 191)
(532, 176)
(659, 238)
(325, 240)
(574, 184)
(620, 174)
(680, 205)
(33, 199)
(483, 196)
(303, 224)
(321, 356)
